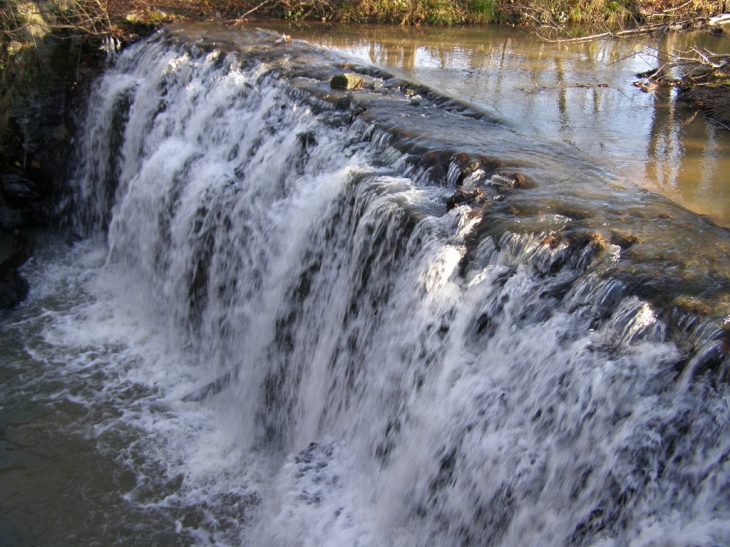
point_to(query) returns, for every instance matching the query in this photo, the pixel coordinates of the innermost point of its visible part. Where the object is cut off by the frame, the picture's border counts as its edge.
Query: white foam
(443, 409)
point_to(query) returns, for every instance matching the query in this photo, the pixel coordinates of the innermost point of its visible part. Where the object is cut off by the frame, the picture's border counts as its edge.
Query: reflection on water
(578, 94)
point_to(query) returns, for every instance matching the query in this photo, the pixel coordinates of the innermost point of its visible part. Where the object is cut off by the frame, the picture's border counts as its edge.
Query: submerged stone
(506, 181)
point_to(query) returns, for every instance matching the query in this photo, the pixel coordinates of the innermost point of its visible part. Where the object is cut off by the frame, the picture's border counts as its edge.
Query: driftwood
(719, 19)
(644, 29)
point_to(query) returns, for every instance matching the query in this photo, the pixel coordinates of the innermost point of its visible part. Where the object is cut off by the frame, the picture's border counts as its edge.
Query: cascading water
(282, 336)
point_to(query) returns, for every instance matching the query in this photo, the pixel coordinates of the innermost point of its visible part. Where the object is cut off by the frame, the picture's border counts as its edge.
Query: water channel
(273, 323)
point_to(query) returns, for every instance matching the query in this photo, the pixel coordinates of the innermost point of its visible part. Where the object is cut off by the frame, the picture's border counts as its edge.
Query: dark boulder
(14, 251)
(13, 289)
(463, 197)
(9, 218)
(18, 190)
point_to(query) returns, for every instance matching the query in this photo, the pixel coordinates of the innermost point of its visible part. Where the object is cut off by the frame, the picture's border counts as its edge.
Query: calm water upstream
(292, 316)
(649, 139)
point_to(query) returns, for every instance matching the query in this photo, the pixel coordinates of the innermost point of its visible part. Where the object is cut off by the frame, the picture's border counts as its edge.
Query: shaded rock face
(9, 218)
(13, 289)
(19, 205)
(14, 251)
(36, 150)
(18, 190)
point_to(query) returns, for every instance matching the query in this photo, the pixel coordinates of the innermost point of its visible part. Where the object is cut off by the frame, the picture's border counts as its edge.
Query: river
(580, 95)
(287, 315)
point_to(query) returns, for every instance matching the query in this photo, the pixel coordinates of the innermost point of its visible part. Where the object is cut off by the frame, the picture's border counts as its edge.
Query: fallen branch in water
(644, 29)
(703, 80)
(697, 66)
(718, 122)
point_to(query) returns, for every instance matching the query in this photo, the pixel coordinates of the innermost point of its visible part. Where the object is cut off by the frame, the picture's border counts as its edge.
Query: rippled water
(274, 331)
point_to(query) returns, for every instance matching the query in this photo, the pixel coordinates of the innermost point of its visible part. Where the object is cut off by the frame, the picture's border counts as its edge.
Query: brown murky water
(581, 95)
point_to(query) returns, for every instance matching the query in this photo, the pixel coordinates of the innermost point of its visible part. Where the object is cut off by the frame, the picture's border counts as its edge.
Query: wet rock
(307, 138)
(13, 289)
(623, 240)
(13, 251)
(706, 359)
(691, 305)
(9, 218)
(347, 80)
(283, 39)
(725, 341)
(18, 190)
(505, 182)
(463, 197)
(471, 175)
(552, 241)
(60, 133)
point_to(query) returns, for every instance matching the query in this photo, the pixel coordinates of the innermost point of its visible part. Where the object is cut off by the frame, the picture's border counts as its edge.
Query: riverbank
(587, 13)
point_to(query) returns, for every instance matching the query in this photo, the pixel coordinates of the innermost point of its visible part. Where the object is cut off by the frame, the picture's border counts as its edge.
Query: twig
(706, 58)
(668, 11)
(718, 122)
(630, 32)
(242, 18)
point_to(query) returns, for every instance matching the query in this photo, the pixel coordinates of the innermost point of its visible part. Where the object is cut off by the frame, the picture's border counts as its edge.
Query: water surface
(581, 95)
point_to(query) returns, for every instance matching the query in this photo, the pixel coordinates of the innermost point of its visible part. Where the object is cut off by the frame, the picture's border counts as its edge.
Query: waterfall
(395, 371)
